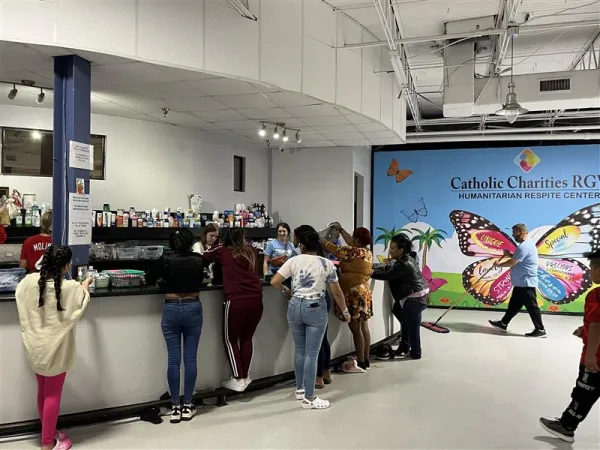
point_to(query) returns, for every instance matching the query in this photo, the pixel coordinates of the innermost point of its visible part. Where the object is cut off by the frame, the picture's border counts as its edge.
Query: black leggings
(325, 351)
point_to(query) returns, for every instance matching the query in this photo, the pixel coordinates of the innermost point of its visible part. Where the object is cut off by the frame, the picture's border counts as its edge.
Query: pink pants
(48, 399)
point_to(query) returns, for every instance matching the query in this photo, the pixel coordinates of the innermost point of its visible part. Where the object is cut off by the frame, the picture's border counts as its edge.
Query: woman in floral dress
(356, 265)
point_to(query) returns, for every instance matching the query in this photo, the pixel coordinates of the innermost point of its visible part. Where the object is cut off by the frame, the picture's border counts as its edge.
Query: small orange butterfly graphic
(395, 171)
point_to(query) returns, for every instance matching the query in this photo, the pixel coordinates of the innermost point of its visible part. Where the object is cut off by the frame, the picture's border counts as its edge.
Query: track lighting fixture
(276, 133)
(13, 92)
(262, 132)
(41, 97)
(285, 137)
(298, 139)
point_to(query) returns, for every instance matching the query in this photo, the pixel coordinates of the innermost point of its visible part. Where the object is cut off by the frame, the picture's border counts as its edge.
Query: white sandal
(299, 394)
(317, 403)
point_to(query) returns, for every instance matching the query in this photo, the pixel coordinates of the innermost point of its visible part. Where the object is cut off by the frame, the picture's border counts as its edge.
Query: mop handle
(463, 295)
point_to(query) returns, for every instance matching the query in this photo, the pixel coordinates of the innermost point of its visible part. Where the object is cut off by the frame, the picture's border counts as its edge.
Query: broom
(433, 326)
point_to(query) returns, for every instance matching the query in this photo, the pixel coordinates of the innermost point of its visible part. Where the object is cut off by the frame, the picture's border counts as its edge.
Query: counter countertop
(122, 292)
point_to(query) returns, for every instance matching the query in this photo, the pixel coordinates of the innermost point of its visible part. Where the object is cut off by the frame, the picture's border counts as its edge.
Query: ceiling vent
(556, 85)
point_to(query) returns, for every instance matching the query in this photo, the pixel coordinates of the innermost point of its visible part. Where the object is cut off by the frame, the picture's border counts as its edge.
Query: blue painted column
(72, 89)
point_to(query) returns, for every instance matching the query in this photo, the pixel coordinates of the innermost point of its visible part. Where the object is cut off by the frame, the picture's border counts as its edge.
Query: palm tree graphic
(387, 235)
(426, 239)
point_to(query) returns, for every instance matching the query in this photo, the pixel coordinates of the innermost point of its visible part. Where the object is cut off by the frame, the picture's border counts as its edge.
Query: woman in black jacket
(409, 289)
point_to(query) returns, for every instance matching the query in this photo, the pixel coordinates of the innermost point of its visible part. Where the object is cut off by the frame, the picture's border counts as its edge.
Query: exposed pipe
(540, 116)
(478, 33)
(520, 137)
(504, 131)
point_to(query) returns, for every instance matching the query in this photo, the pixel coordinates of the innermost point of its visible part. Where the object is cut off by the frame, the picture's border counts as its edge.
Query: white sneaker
(188, 412)
(247, 381)
(175, 414)
(299, 394)
(234, 385)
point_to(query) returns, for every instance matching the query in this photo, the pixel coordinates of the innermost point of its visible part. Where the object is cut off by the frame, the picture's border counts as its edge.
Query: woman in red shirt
(34, 247)
(243, 302)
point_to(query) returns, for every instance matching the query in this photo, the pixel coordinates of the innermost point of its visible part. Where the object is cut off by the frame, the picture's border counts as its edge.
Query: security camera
(281, 148)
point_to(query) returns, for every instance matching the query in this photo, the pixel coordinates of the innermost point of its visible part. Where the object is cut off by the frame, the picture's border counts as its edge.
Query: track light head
(262, 132)
(285, 136)
(276, 133)
(298, 138)
(41, 97)
(13, 92)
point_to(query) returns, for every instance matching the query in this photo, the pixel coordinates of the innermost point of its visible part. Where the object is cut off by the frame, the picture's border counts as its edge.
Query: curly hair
(55, 258)
(181, 241)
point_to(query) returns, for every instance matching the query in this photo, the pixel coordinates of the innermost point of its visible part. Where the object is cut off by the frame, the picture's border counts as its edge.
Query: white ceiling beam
(392, 31)
(242, 7)
(473, 34)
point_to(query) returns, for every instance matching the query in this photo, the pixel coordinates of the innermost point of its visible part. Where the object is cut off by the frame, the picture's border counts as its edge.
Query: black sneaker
(188, 412)
(175, 414)
(555, 428)
(403, 349)
(385, 352)
(498, 325)
(537, 333)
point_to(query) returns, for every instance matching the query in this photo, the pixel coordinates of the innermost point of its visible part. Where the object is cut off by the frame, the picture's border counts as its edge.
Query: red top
(240, 279)
(591, 315)
(33, 249)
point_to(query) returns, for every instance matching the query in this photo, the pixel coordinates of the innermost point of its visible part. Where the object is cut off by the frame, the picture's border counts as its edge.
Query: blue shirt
(525, 273)
(276, 248)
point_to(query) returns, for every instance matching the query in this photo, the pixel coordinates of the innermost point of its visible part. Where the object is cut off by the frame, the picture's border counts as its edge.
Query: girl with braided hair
(49, 307)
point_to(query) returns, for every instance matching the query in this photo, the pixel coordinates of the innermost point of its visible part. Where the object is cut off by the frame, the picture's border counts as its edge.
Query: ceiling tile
(176, 74)
(311, 137)
(343, 136)
(358, 118)
(325, 121)
(291, 99)
(181, 118)
(336, 129)
(239, 125)
(246, 101)
(100, 59)
(386, 141)
(17, 77)
(375, 126)
(223, 115)
(171, 89)
(131, 99)
(206, 126)
(318, 144)
(15, 56)
(379, 134)
(100, 106)
(132, 73)
(276, 114)
(352, 143)
(265, 88)
(222, 86)
(194, 104)
(294, 123)
(312, 111)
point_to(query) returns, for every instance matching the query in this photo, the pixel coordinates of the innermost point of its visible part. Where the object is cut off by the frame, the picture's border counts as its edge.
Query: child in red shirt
(587, 387)
(34, 247)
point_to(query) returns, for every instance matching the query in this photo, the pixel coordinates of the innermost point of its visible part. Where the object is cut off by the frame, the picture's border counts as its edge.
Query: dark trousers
(585, 393)
(240, 323)
(397, 312)
(325, 351)
(524, 296)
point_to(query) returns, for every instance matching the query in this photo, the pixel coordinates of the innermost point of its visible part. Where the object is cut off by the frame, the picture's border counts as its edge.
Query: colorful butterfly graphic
(434, 283)
(420, 210)
(561, 279)
(395, 171)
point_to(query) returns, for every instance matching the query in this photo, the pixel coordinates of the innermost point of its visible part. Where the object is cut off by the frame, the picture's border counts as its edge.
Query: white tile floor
(473, 389)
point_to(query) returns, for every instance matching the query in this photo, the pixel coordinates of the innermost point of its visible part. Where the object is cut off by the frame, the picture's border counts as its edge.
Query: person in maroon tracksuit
(243, 302)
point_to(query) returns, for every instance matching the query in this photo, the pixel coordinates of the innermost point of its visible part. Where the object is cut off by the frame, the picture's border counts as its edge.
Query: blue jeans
(412, 311)
(182, 319)
(308, 322)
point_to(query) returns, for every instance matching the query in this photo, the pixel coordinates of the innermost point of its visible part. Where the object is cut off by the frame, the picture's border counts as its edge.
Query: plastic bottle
(36, 218)
(28, 218)
(92, 273)
(166, 216)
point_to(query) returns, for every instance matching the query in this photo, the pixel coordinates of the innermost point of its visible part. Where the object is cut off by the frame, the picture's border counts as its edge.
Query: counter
(121, 355)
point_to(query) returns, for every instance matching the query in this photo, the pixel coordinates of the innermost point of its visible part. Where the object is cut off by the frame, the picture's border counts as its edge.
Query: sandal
(319, 383)
(317, 403)
(299, 394)
(327, 377)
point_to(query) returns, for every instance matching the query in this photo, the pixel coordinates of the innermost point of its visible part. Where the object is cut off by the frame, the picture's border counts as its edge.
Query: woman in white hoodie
(49, 306)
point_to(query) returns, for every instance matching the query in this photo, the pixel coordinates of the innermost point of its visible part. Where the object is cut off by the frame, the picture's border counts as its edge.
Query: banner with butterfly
(458, 207)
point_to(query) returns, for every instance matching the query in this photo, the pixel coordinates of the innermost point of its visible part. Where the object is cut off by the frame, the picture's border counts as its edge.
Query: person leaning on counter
(180, 274)
(34, 247)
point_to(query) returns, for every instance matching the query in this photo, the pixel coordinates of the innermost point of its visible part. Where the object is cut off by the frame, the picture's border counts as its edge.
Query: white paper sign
(80, 231)
(81, 156)
(80, 206)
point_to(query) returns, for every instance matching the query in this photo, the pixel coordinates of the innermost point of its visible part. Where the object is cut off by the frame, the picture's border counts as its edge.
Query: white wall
(362, 166)
(152, 165)
(313, 186)
(292, 45)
